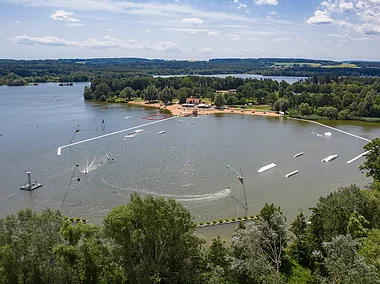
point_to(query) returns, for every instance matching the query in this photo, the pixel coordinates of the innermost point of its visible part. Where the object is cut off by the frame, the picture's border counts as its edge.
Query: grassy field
(343, 65)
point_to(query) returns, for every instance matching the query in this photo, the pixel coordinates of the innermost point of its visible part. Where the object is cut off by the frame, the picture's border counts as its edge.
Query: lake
(288, 79)
(187, 163)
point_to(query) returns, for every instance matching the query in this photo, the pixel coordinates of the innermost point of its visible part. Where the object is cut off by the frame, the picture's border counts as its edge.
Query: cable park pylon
(241, 180)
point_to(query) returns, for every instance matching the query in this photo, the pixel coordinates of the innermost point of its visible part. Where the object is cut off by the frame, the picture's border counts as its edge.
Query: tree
(372, 162)
(259, 248)
(150, 93)
(127, 93)
(88, 94)
(101, 90)
(305, 109)
(343, 263)
(219, 101)
(155, 239)
(370, 249)
(166, 95)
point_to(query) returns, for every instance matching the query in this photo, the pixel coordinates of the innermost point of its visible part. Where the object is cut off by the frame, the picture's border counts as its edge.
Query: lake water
(187, 163)
(288, 79)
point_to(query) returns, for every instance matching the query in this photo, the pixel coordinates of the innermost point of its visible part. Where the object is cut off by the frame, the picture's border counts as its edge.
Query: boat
(267, 167)
(30, 185)
(292, 173)
(85, 171)
(330, 158)
(327, 133)
(162, 132)
(298, 154)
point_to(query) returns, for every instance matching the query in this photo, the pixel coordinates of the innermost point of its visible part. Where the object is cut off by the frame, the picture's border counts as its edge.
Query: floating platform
(32, 186)
(330, 158)
(267, 167)
(298, 154)
(292, 173)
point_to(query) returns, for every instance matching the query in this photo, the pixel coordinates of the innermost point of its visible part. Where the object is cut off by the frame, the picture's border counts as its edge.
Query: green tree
(370, 249)
(166, 95)
(150, 93)
(372, 162)
(219, 101)
(127, 93)
(305, 109)
(155, 240)
(343, 263)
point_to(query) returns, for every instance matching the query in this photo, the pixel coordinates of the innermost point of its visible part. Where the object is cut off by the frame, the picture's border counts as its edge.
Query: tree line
(76, 70)
(318, 97)
(154, 240)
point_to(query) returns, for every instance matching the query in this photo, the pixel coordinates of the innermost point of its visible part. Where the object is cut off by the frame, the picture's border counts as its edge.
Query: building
(194, 101)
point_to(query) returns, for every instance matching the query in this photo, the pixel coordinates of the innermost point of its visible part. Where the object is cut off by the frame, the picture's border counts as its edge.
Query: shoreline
(177, 110)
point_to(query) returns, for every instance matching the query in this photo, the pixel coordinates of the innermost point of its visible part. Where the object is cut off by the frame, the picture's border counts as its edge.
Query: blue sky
(190, 30)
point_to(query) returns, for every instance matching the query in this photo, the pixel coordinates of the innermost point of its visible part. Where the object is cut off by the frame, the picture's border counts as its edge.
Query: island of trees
(154, 240)
(318, 97)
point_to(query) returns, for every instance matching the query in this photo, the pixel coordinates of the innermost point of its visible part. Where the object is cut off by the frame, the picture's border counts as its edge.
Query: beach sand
(177, 110)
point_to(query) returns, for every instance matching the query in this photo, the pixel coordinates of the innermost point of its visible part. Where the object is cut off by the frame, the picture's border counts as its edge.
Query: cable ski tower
(241, 180)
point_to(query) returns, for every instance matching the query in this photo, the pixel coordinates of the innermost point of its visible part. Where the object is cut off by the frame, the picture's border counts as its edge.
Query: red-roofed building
(194, 101)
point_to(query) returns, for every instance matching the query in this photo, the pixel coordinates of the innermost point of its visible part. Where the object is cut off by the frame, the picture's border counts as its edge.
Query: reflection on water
(188, 163)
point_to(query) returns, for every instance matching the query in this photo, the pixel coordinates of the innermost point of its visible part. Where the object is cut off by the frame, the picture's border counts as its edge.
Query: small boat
(292, 173)
(330, 158)
(130, 135)
(108, 157)
(162, 132)
(267, 167)
(298, 154)
(85, 171)
(327, 133)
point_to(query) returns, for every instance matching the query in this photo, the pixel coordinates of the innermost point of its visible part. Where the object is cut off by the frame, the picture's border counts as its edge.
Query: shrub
(227, 220)
(71, 219)
(214, 221)
(252, 217)
(84, 220)
(77, 220)
(201, 224)
(65, 218)
(239, 218)
(245, 217)
(233, 219)
(207, 223)
(220, 221)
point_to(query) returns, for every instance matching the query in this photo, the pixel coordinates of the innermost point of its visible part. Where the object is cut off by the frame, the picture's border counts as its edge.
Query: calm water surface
(187, 163)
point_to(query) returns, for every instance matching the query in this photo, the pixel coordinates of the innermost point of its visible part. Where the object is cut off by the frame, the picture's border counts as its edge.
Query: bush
(84, 220)
(220, 221)
(71, 219)
(207, 223)
(201, 224)
(252, 217)
(245, 217)
(77, 220)
(233, 219)
(65, 218)
(214, 221)
(227, 220)
(239, 218)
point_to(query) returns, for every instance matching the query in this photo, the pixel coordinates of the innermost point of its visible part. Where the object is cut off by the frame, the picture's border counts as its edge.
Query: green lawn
(343, 65)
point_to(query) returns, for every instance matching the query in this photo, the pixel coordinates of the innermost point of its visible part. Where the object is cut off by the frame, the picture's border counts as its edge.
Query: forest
(318, 97)
(21, 72)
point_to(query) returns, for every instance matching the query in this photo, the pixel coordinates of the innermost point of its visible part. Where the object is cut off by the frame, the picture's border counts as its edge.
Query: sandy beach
(178, 110)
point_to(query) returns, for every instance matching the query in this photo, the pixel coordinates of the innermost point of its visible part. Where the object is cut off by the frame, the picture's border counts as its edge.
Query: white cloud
(240, 5)
(111, 30)
(213, 33)
(371, 29)
(346, 6)
(61, 15)
(234, 36)
(145, 30)
(193, 21)
(106, 42)
(166, 46)
(266, 2)
(319, 18)
(47, 40)
(347, 37)
(207, 50)
(17, 22)
(274, 13)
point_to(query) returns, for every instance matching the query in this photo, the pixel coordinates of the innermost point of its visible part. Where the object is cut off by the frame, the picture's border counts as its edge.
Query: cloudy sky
(190, 29)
